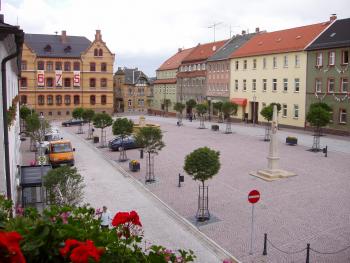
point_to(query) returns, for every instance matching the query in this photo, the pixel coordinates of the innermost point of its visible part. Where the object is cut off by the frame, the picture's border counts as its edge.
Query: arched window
(103, 83)
(23, 99)
(41, 100)
(58, 100)
(92, 66)
(95, 52)
(49, 100)
(103, 67)
(103, 99)
(92, 99)
(76, 100)
(67, 99)
(100, 52)
(92, 83)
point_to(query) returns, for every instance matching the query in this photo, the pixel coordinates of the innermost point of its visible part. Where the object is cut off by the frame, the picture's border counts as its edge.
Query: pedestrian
(190, 117)
(105, 218)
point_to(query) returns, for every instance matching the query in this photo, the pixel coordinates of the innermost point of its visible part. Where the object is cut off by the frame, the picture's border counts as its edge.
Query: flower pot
(291, 141)
(134, 167)
(215, 127)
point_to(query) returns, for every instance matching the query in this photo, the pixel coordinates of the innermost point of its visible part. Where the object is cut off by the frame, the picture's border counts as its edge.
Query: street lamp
(254, 109)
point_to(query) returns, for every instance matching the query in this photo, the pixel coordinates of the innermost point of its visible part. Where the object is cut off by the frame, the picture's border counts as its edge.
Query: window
(264, 85)
(331, 58)
(330, 86)
(296, 85)
(67, 66)
(254, 63)
(284, 110)
(67, 112)
(58, 65)
(100, 52)
(236, 84)
(274, 85)
(342, 115)
(67, 99)
(103, 83)
(49, 82)
(237, 65)
(95, 52)
(40, 65)
(76, 100)
(297, 61)
(103, 67)
(92, 66)
(129, 103)
(24, 82)
(50, 113)
(203, 66)
(296, 111)
(49, 100)
(92, 83)
(24, 65)
(23, 99)
(244, 85)
(254, 85)
(285, 62)
(59, 113)
(49, 66)
(76, 65)
(67, 82)
(92, 99)
(345, 57)
(264, 63)
(58, 100)
(318, 85)
(285, 85)
(245, 64)
(274, 62)
(319, 59)
(344, 85)
(103, 99)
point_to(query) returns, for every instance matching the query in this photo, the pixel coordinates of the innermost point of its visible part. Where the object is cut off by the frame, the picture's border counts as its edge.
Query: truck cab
(61, 153)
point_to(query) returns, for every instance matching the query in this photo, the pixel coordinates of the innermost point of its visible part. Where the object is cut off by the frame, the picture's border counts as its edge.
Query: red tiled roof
(204, 51)
(175, 61)
(165, 81)
(288, 40)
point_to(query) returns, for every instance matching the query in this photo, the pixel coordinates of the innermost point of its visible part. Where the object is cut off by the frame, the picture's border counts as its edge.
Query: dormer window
(100, 52)
(95, 52)
(47, 48)
(67, 49)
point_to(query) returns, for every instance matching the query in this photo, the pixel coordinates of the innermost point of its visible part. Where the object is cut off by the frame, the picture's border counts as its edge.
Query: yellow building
(271, 67)
(61, 72)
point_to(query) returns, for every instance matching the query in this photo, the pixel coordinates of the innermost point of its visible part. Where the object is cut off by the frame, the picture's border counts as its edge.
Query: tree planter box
(291, 141)
(215, 127)
(134, 167)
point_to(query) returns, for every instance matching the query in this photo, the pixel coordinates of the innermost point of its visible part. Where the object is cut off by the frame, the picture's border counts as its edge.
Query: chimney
(64, 36)
(257, 30)
(1, 18)
(179, 49)
(98, 36)
(243, 32)
(333, 17)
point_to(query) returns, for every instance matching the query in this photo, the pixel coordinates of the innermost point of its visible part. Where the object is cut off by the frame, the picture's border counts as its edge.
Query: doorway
(254, 109)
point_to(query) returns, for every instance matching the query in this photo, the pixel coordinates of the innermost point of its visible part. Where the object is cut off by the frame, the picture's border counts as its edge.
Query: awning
(239, 101)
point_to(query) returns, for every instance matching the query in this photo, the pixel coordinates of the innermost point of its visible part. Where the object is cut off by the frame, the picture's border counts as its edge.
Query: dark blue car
(129, 142)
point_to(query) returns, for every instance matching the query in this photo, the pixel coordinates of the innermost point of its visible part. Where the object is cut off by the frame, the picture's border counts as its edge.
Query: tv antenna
(213, 26)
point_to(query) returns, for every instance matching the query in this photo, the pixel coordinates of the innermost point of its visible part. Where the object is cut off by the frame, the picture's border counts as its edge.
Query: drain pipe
(4, 115)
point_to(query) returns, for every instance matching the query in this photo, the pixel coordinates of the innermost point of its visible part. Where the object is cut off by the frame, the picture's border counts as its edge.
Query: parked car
(72, 122)
(49, 137)
(129, 142)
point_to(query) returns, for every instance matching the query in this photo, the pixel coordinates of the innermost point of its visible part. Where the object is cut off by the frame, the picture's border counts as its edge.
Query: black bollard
(141, 153)
(265, 245)
(308, 253)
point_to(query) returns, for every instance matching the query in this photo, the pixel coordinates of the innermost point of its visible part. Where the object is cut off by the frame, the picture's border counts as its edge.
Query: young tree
(122, 127)
(64, 186)
(36, 129)
(102, 121)
(190, 105)
(88, 116)
(201, 110)
(151, 139)
(319, 115)
(218, 108)
(78, 114)
(24, 112)
(228, 108)
(202, 164)
(179, 107)
(267, 113)
(167, 103)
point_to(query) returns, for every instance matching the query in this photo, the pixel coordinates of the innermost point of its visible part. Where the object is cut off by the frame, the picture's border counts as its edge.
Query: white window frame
(284, 110)
(342, 85)
(264, 85)
(236, 65)
(343, 57)
(245, 64)
(297, 61)
(274, 85)
(254, 85)
(296, 111)
(319, 59)
(244, 85)
(331, 58)
(342, 113)
(274, 62)
(285, 61)
(318, 85)
(285, 85)
(264, 63)
(328, 86)
(236, 84)
(254, 63)
(297, 85)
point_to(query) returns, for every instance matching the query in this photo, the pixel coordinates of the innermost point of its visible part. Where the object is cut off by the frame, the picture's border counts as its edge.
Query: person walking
(105, 218)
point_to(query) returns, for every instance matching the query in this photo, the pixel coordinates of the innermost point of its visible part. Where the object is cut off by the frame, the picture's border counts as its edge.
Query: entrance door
(254, 109)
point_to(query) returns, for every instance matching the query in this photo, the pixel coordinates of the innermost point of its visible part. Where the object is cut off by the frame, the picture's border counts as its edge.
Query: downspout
(4, 115)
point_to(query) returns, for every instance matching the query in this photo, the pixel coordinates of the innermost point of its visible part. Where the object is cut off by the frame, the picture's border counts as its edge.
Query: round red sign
(254, 196)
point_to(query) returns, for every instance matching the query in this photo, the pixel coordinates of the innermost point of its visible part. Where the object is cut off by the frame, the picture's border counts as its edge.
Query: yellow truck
(61, 153)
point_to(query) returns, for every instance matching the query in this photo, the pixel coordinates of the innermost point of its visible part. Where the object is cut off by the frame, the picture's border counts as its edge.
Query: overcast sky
(144, 33)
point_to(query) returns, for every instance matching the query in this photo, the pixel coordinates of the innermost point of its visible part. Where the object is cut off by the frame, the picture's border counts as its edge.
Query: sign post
(253, 197)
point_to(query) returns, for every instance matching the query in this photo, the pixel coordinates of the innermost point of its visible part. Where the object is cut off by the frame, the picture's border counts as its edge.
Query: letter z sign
(58, 78)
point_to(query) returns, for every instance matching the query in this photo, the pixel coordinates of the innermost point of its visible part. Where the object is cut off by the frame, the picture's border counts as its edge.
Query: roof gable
(204, 51)
(175, 61)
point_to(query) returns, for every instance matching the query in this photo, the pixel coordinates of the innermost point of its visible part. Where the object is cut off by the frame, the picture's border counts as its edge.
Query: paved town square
(311, 207)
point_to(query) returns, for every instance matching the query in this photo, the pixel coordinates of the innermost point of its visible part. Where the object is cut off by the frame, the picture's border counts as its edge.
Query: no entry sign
(254, 196)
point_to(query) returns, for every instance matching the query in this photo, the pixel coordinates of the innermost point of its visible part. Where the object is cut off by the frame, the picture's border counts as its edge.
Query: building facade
(11, 41)
(328, 74)
(131, 89)
(271, 67)
(61, 72)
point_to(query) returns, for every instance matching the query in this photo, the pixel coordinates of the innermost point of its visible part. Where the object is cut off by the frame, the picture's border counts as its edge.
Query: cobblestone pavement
(309, 208)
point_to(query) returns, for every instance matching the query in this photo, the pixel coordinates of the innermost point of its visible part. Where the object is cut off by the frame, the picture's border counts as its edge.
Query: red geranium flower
(82, 253)
(68, 245)
(125, 217)
(9, 241)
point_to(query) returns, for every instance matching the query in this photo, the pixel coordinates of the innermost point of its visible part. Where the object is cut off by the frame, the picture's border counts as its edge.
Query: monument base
(272, 175)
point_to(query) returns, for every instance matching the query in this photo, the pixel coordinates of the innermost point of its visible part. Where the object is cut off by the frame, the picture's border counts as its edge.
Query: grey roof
(225, 51)
(38, 42)
(336, 35)
(132, 75)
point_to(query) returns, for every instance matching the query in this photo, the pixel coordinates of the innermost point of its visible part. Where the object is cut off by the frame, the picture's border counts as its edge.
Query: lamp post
(41, 155)
(254, 109)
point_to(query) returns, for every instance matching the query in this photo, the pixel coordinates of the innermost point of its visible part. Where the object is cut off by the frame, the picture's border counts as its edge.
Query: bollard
(181, 179)
(325, 151)
(141, 154)
(265, 245)
(308, 253)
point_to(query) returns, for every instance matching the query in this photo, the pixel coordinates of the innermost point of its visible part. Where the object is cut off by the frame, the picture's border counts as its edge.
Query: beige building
(61, 72)
(271, 67)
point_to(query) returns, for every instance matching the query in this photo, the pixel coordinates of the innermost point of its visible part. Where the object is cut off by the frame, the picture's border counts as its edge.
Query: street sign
(254, 196)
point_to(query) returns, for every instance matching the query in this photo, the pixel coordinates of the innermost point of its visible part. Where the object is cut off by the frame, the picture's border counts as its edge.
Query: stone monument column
(273, 147)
